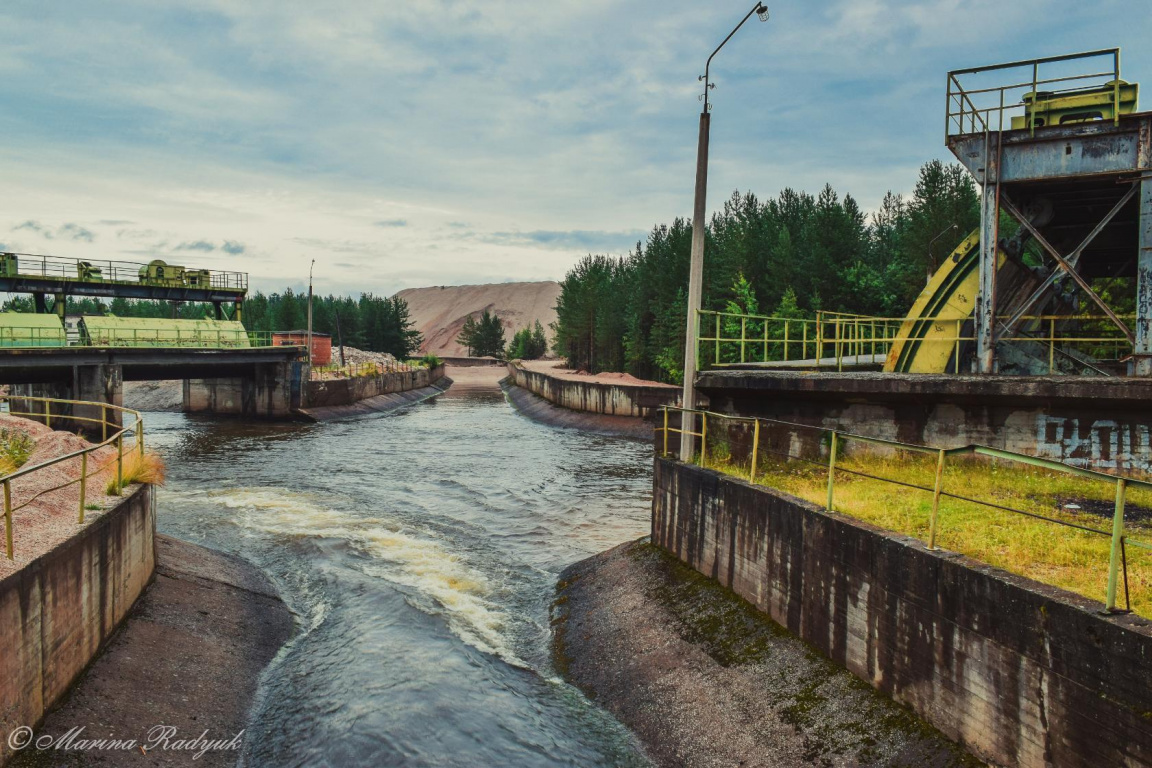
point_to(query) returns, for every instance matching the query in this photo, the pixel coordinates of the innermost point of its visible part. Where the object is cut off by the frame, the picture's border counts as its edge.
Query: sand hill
(439, 312)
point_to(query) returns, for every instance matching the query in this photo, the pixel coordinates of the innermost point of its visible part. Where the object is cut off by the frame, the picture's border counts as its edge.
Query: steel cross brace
(1072, 259)
(1008, 206)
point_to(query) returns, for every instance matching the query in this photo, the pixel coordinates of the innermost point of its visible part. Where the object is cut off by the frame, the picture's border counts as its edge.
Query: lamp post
(931, 258)
(310, 266)
(696, 272)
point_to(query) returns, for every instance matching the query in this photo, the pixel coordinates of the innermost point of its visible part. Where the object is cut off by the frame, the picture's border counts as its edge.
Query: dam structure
(1012, 343)
(838, 458)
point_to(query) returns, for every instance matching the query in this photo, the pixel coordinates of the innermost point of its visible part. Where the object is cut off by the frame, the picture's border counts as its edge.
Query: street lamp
(696, 272)
(931, 258)
(310, 266)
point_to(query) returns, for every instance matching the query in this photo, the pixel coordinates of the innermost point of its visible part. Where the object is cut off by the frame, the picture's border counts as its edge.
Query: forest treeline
(792, 255)
(370, 322)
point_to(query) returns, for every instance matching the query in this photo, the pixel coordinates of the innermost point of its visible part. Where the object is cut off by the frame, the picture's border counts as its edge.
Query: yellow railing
(112, 435)
(836, 340)
(836, 439)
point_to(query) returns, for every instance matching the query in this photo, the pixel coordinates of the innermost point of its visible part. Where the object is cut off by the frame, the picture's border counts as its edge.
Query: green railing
(715, 450)
(115, 424)
(16, 337)
(836, 340)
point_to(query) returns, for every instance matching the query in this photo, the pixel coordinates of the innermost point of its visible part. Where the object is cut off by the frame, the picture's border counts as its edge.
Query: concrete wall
(92, 383)
(267, 393)
(1095, 422)
(595, 396)
(58, 610)
(334, 392)
(1019, 673)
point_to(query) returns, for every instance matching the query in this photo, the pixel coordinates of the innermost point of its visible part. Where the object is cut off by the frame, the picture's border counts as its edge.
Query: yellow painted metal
(831, 470)
(936, 500)
(935, 321)
(755, 450)
(1117, 543)
(703, 438)
(8, 518)
(108, 331)
(665, 431)
(119, 462)
(24, 329)
(83, 483)
(1078, 106)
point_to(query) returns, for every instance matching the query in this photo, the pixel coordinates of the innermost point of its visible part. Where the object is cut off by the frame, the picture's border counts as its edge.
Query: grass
(148, 468)
(15, 448)
(1054, 554)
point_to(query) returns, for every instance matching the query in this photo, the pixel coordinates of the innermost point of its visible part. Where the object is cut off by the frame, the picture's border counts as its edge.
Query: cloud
(568, 240)
(198, 245)
(478, 141)
(68, 231)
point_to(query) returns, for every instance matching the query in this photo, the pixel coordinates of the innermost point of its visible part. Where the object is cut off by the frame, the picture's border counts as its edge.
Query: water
(419, 551)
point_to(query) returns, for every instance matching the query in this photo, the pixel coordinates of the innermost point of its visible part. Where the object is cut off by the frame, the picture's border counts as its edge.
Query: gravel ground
(704, 679)
(43, 517)
(167, 396)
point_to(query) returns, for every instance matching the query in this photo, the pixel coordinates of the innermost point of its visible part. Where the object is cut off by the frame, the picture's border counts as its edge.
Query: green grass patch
(1054, 554)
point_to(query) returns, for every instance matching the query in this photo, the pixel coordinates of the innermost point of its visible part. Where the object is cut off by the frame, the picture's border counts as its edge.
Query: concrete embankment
(537, 408)
(704, 679)
(1018, 672)
(615, 404)
(359, 395)
(59, 608)
(188, 656)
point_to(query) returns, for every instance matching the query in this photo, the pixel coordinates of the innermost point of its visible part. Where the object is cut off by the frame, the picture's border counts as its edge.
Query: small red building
(321, 344)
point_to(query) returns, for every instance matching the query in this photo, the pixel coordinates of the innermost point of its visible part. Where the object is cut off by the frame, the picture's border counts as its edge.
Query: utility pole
(313, 264)
(696, 270)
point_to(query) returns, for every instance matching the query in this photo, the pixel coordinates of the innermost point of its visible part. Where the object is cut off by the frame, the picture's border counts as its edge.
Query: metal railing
(837, 339)
(38, 337)
(113, 435)
(105, 271)
(982, 109)
(836, 439)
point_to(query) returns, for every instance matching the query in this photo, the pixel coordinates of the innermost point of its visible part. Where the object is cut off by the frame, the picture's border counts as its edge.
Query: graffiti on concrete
(1101, 444)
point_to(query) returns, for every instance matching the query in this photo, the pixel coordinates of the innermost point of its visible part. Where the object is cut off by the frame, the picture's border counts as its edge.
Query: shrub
(15, 448)
(148, 468)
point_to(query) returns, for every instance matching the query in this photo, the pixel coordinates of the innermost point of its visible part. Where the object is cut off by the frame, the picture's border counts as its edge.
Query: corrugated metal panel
(110, 331)
(18, 329)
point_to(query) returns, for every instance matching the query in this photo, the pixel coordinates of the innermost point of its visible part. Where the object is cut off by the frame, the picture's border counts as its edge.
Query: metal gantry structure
(1056, 143)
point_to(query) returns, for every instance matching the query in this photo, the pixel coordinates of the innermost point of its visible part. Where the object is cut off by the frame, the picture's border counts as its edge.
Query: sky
(442, 142)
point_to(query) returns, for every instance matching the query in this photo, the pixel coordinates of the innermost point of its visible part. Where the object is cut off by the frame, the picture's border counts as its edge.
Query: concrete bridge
(257, 382)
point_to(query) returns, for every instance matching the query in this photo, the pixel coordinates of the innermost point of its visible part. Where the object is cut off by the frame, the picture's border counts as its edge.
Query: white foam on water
(452, 588)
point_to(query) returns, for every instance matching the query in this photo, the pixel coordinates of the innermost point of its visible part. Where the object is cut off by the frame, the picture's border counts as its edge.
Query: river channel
(419, 551)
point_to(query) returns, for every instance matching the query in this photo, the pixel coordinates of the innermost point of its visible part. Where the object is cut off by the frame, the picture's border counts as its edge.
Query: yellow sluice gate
(931, 337)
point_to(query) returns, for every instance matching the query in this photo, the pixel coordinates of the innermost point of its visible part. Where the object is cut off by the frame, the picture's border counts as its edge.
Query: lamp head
(762, 12)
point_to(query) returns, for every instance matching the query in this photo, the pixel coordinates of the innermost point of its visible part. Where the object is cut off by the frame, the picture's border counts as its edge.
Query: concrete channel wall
(609, 398)
(1095, 422)
(1019, 673)
(336, 392)
(58, 610)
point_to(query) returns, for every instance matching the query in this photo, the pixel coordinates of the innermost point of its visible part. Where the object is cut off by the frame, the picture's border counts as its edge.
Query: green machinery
(1080, 105)
(108, 331)
(159, 272)
(22, 330)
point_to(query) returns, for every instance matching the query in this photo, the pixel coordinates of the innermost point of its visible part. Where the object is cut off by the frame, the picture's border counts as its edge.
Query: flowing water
(420, 552)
